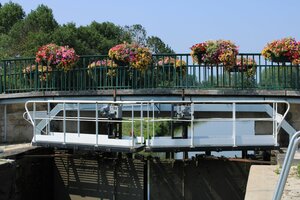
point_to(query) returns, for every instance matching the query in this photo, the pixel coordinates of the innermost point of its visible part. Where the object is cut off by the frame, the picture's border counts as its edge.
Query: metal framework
(293, 146)
(24, 75)
(143, 121)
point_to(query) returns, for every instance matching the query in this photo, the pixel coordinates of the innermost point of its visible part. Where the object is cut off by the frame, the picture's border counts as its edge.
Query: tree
(137, 33)
(41, 19)
(100, 37)
(33, 31)
(156, 45)
(10, 14)
(21, 35)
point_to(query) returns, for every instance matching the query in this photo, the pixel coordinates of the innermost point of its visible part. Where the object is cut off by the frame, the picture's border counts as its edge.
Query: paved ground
(263, 179)
(11, 149)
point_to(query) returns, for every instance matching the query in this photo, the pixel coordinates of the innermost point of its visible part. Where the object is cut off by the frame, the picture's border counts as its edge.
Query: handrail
(148, 107)
(286, 166)
(166, 71)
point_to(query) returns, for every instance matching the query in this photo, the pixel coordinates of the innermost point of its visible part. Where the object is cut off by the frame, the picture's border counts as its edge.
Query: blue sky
(250, 24)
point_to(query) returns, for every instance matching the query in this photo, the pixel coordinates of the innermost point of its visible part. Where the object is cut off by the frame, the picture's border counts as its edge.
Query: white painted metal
(201, 131)
(284, 124)
(293, 146)
(192, 125)
(34, 120)
(97, 131)
(234, 124)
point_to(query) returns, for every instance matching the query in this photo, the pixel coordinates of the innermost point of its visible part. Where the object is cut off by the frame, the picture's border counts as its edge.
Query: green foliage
(160, 128)
(33, 31)
(280, 77)
(22, 35)
(138, 33)
(156, 45)
(298, 170)
(10, 14)
(41, 19)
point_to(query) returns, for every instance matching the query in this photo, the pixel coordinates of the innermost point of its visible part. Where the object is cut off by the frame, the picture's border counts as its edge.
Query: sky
(182, 23)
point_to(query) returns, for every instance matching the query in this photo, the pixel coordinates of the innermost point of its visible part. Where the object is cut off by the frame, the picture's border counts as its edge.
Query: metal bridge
(131, 126)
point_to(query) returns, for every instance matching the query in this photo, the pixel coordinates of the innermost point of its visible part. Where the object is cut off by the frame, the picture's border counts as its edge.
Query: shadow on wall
(92, 176)
(203, 179)
(104, 178)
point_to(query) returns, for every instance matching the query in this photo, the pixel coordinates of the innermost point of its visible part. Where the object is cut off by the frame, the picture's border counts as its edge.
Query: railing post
(36, 77)
(276, 123)
(64, 122)
(49, 118)
(153, 130)
(192, 125)
(96, 109)
(148, 127)
(4, 76)
(5, 123)
(142, 118)
(78, 119)
(34, 122)
(1, 75)
(286, 166)
(234, 123)
(132, 127)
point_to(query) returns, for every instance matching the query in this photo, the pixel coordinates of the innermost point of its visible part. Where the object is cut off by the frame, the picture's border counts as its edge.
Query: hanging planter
(284, 50)
(132, 55)
(215, 52)
(56, 57)
(244, 65)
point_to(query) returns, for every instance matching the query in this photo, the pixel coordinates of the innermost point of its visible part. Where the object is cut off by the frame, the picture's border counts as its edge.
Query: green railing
(24, 75)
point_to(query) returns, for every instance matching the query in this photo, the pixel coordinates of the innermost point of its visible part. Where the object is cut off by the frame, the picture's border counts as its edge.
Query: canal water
(48, 174)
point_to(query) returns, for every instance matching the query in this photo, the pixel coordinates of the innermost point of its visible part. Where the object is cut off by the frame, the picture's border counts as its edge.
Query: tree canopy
(21, 35)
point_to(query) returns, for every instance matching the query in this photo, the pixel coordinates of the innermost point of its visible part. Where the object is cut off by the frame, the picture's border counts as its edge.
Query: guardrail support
(286, 166)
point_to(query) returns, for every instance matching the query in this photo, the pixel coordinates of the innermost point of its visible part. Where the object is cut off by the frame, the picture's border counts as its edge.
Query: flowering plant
(103, 63)
(46, 54)
(66, 57)
(284, 50)
(176, 63)
(100, 63)
(138, 57)
(44, 72)
(247, 65)
(53, 55)
(198, 51)
(215, 52)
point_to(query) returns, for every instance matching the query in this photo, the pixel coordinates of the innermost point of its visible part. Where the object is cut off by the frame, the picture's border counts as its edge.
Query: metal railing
(143, 117)
(293, 146)
(166, 71)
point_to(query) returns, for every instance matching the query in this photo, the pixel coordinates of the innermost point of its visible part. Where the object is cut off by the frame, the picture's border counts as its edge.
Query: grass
(277, 170)
(298, 170)
(160, 129)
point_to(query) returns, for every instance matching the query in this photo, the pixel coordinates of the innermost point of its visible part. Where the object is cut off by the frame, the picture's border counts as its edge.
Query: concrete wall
(294, 116)
(99, 176)
(17, 129)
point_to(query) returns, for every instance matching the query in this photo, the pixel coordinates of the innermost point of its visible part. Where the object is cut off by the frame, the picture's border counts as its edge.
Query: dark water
(83, 175)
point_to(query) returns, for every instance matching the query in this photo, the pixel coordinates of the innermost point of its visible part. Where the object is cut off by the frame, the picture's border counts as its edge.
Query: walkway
(263, 178)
